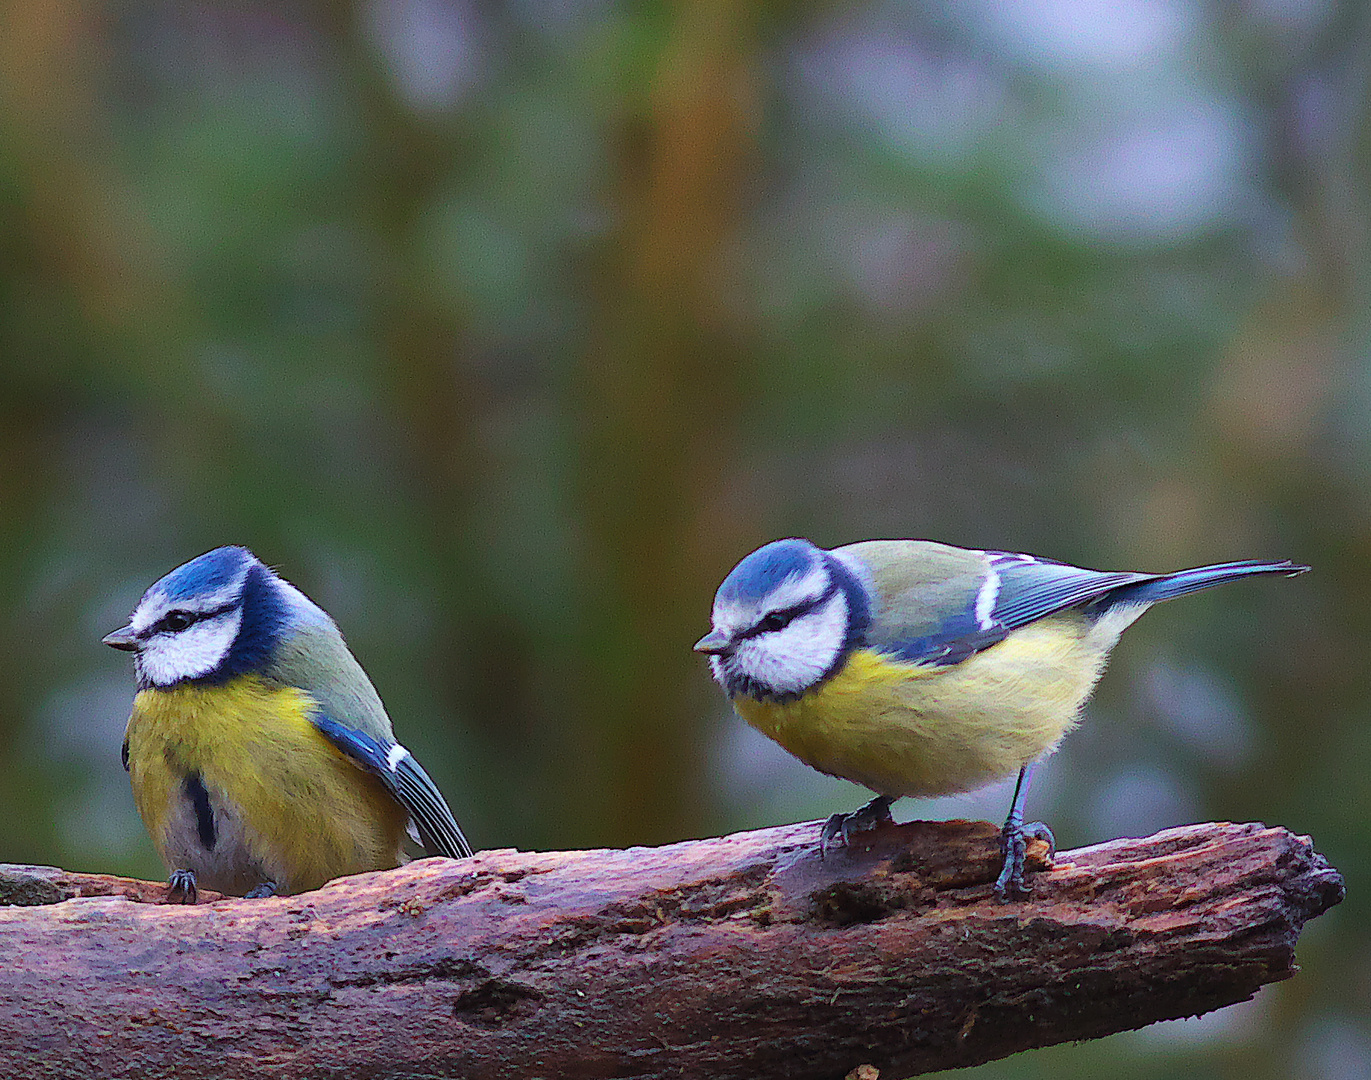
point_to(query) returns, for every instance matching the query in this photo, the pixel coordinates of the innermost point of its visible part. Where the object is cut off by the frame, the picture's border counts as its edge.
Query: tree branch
(743, 956)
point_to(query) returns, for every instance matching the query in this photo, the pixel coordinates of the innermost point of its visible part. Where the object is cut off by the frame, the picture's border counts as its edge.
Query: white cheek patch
(791, 660)
(191, 653)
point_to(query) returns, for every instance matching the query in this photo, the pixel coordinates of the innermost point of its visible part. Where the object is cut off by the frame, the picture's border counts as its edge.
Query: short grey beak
(716, 643)
(123, 638)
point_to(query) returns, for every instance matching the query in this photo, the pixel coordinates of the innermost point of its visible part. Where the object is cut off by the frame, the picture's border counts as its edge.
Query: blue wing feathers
(959, 635)
(438, 829)
(358, 745)
(407, 783)
(1030, 589)
(1026, 589)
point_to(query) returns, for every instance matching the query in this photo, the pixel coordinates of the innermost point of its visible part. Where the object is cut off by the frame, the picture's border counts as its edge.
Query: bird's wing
(406, 781)
(1030, 588)
(937, 604)
(350, 715)
(314, 657)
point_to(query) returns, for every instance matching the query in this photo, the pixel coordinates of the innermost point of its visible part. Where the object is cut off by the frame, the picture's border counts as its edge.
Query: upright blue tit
(261, 758)
(916, 668)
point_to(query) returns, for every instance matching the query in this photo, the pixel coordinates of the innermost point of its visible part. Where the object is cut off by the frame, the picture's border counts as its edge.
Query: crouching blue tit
(261, 758)
(916, 668)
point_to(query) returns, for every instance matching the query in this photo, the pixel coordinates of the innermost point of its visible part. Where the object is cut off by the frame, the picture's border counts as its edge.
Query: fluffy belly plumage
(236, 784)
(902, 729)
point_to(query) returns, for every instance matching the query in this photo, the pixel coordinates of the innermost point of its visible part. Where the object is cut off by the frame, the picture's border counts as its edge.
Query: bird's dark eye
(777, 620)
(176, 620)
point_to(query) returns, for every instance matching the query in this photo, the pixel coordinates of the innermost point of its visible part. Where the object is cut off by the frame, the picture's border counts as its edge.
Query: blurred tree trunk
(657, 416)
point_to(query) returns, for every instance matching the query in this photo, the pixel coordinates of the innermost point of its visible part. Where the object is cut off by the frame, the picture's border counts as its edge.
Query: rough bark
(743, 956)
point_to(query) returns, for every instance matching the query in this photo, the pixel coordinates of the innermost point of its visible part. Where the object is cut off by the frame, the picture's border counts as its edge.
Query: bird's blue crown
(207, 573)
(767, 567)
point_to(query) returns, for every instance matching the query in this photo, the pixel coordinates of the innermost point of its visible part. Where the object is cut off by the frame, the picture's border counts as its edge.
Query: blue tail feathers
(1165, 586)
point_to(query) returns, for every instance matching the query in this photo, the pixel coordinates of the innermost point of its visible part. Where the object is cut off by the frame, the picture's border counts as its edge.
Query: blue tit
(916, 668)
(261, 758)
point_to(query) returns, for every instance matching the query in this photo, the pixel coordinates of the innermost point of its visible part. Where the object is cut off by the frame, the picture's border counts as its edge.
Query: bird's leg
(181, 887)
(839, 828)
(1014, 839)
(257, 892)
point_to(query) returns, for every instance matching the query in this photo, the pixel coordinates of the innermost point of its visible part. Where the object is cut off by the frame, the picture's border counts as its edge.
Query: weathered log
(743, 956)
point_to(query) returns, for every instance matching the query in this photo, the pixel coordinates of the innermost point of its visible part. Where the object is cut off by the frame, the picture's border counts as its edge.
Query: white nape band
(395, 755)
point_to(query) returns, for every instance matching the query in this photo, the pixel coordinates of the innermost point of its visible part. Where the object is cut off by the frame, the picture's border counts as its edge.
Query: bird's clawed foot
(181, 887)
(1014, 839)
(839, 829)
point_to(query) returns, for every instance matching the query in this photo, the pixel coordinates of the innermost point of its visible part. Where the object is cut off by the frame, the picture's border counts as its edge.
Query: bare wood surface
(741, 956)
(32, 886)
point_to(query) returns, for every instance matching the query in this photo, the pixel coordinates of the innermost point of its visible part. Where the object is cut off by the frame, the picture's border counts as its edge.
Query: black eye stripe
(779, 620)
(765, 625)
(180, 619)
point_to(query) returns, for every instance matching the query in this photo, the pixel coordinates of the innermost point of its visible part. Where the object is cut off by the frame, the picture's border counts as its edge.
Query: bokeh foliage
(504, 330)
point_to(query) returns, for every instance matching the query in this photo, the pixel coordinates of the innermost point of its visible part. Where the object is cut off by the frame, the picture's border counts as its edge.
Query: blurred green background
(505, 330)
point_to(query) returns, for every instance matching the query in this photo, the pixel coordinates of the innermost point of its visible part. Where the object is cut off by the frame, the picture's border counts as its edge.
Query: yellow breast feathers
(909, 729)
(301, 809)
